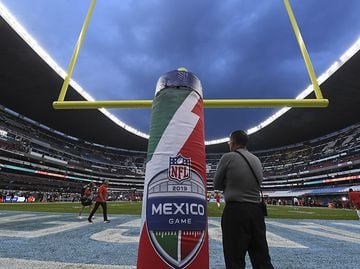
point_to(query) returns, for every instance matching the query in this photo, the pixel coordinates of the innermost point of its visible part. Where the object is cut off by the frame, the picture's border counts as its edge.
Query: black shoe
(89, 220)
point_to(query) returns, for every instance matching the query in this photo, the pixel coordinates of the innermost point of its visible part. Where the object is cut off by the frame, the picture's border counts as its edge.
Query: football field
(134, 208)
(61, 240)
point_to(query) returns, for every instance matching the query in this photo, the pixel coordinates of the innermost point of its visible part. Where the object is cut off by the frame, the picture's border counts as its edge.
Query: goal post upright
(303, 50)
(75, 55)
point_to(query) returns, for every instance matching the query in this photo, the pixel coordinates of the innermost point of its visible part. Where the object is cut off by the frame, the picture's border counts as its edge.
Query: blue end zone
(64, 239)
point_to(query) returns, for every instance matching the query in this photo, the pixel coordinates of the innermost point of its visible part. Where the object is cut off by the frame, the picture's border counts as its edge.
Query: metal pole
(76, 52)
(304, 52)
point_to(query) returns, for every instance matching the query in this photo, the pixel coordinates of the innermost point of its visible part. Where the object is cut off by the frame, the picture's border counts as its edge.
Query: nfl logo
(179, 168)
(176, 221)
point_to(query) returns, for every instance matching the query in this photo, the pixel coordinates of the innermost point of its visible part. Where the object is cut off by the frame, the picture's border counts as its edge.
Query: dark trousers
(243, 229)
(104, 208)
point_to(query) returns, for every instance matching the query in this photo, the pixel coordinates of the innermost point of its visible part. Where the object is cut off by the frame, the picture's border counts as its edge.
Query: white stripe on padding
(171, 141)
(174, 136)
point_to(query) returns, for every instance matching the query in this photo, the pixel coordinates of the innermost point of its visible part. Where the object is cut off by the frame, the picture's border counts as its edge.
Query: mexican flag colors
(173, 232)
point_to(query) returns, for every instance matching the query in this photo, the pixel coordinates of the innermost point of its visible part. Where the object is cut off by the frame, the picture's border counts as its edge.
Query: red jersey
(102, 191)
(354, 197)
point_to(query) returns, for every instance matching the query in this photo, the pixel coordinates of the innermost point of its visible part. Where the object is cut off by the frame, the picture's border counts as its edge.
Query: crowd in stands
(10, 196)
(337, 155)
(37, 160)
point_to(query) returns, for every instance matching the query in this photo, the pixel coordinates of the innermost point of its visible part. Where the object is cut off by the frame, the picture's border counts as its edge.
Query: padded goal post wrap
(173, 231)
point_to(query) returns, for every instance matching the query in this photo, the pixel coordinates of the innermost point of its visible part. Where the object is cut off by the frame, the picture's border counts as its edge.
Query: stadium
(310, 157)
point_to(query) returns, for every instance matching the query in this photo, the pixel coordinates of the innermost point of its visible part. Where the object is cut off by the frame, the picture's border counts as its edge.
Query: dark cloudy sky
(238, 49)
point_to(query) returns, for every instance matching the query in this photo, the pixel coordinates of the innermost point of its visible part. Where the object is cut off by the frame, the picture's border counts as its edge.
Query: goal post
(318, 101)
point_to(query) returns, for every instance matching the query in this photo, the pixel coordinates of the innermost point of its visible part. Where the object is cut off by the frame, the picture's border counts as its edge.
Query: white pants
(358, 213)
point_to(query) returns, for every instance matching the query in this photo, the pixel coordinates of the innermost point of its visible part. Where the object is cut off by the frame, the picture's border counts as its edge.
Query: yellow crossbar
(210, 103)
(215, 103)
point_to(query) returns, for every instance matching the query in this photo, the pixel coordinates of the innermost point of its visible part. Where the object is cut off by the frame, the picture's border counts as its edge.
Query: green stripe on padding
(169, 242)
(163, 109)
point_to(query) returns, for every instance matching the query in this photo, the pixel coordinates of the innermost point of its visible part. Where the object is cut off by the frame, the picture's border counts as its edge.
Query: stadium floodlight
(319, 101)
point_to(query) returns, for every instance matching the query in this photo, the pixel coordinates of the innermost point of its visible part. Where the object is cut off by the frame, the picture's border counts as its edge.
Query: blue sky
(238, 49)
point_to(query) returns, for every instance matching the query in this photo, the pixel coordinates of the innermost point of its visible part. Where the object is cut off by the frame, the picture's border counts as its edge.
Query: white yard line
(23, 217)
(315, 229)
(348, 224)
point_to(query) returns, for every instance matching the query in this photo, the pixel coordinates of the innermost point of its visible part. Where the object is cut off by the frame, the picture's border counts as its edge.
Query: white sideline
(7, 263)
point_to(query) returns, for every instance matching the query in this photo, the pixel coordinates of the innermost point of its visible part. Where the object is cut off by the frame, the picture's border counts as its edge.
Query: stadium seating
(36, 157)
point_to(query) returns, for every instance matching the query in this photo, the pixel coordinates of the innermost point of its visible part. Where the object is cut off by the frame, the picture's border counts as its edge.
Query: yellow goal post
(319, 101)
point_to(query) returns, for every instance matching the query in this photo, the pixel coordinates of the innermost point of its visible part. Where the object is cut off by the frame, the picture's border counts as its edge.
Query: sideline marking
(301, 212)
(11, 263)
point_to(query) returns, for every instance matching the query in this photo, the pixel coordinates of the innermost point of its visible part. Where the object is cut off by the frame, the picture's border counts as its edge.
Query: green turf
(134, 208)
(129, 208)
(291, 212)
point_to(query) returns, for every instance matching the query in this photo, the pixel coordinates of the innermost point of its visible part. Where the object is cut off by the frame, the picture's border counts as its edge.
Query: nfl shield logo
(179, 168)
(176, 221)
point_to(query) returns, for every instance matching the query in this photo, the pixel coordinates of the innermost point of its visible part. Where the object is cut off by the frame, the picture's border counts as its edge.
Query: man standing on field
(354, 197)
(101, 200)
